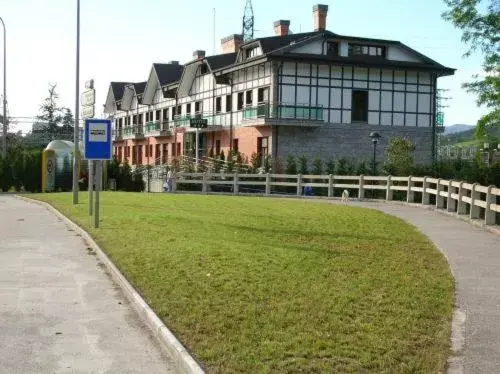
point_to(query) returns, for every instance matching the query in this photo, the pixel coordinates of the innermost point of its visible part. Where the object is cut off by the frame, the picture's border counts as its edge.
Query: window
(188, 109)
(228, 103)
(157, 154)
(240, 100)
(263, 95)
(236, 145)
(165, 114)
(218, 104)
(252, 52)
(178, 111)
(158, 115)
(120, 123)
(197, 107)
(178, 152)
(249, 98)
(140, 117)
(139, 154)
(332, 49)
(173, 113)
(203, 69)
(217, 147)
(151, 150)
(366, 50)
(134, 119)
(147, 151)
(359, 106)
(263, 146)
(134, 155)
(164, 156)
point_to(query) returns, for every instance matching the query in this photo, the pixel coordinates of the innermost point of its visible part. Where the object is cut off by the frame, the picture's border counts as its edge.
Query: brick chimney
(174, 62)
(281, 27)
(198, 55)
(231, 43)
(320, 12)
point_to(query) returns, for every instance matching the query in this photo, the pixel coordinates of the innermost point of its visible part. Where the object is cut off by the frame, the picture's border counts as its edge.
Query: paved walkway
(474, 257)
(59, 311)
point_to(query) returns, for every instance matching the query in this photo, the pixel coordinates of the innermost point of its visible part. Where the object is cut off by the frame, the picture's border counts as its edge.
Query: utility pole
(77, 107)
(440, 116)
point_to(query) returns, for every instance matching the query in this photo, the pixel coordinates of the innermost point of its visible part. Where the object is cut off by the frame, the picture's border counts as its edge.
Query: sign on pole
(198, 123)
(88, 98)
(87, 112)
(98, 143)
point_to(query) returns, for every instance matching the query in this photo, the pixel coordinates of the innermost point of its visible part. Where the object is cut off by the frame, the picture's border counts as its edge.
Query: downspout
(231, 116)
(433, 119)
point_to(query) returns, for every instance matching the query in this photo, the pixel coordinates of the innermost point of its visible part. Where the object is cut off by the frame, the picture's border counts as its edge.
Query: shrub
(317, 166)
(291, 165)
(303, 165)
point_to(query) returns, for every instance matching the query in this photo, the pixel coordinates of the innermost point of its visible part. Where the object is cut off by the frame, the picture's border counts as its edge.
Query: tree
(399, 156)
(303, 165)
(330, 166)
(59, 120)
(481, 31)
(291, 165)
(317, 166)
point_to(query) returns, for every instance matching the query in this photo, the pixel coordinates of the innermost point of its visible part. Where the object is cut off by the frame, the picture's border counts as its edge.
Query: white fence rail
(474, 200)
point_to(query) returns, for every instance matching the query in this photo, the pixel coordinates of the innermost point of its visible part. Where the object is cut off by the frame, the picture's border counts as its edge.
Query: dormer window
(366, 50)
(252, 52)
(332, 48)
(203, 69)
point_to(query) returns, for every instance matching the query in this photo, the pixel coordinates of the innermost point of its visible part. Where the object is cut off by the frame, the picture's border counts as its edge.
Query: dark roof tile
(220, 61)
(168, 73)
(118, 88)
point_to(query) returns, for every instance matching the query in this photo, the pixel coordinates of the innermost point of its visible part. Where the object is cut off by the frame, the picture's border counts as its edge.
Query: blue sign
(98, 143)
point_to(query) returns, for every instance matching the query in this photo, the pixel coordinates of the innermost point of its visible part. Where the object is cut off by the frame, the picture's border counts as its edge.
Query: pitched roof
(272, 43)
(118, 88)
(168, 73)
(220, 61)
(139, 87)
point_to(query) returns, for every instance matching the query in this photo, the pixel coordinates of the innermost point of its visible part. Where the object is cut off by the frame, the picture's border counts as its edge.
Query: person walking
(169, 180)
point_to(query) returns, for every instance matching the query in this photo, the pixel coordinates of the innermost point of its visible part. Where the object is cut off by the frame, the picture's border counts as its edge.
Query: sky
(121, 39)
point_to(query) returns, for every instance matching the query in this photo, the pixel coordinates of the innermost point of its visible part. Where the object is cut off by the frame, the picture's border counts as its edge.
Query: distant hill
(457, 129)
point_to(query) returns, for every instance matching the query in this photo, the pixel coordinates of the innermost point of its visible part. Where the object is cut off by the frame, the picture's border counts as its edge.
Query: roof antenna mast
(248, 21)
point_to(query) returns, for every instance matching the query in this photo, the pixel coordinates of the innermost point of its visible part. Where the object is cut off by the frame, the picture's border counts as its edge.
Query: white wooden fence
(465, 199)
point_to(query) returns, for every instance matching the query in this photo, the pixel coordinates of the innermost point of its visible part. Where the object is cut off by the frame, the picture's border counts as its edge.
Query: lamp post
(375, 136)
(4, 119)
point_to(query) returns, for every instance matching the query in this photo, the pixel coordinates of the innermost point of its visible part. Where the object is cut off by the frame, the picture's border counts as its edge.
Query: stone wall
(349, 141)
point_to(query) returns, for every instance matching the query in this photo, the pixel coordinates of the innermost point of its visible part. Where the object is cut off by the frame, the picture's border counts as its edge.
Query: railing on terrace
(133, 130)
(474, 201)
(284, 111)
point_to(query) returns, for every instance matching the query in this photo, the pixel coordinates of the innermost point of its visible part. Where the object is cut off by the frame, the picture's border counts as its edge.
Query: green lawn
(257, 285)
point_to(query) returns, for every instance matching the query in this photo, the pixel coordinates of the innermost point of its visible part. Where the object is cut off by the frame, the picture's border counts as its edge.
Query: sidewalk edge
(182, 359)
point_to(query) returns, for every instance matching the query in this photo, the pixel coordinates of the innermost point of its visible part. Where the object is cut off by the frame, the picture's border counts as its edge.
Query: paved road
(474, 257)
(59, 311)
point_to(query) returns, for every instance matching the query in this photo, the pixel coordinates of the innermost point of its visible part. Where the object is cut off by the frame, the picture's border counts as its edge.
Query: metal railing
(284, 111)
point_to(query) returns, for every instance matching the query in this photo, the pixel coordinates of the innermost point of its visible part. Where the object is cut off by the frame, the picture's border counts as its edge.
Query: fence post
(268, 184)
(330, 185)
(299, 184)
(489, 215)
(235, 184)
(361, 189)
(389, 192)
(451, 205)
(462, 206)
(426, 197)
(439, 198)
(410, 194)
(204, 184)
(474, 195)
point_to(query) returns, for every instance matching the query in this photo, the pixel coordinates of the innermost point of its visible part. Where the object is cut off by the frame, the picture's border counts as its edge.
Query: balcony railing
(133, 131)
(117, 134)
(283, 111)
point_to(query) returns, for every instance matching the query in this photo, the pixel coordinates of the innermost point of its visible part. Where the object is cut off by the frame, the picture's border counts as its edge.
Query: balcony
(133, 132)
(158, 128)
(117, 134)
(283, 114)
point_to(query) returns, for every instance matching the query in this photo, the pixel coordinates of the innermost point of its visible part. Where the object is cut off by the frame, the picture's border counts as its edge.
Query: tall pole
(4, 120)
(196, 151)
(77, 107)
(374, 157)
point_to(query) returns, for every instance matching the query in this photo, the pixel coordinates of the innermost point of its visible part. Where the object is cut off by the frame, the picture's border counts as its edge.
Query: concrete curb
(184, 362)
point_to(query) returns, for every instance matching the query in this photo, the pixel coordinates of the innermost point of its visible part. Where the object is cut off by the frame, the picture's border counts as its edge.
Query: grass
(258, 285)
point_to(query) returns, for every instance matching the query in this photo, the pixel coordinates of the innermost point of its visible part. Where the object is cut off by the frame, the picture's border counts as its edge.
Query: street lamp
(77, 108)
(374, 136)
(4, 120)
